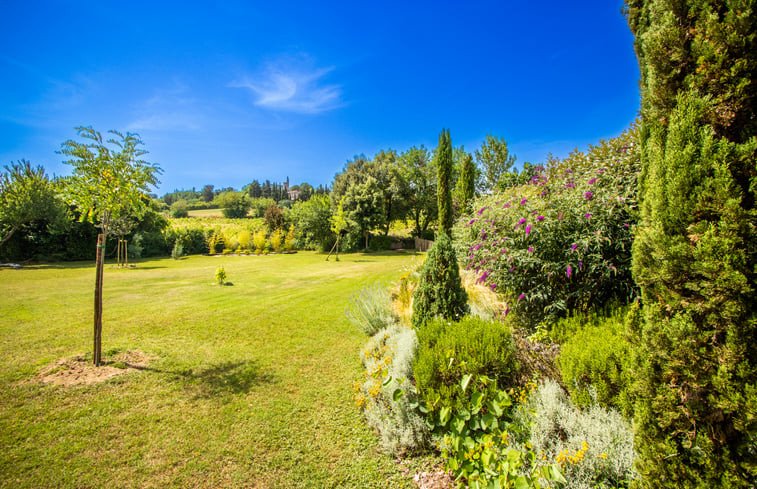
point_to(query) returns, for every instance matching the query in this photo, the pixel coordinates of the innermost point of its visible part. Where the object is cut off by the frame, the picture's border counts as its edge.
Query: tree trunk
(99, 259)
(8, 235)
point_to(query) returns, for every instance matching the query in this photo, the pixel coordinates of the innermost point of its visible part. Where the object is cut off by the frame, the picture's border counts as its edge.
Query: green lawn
(206, 213)
(250, 385)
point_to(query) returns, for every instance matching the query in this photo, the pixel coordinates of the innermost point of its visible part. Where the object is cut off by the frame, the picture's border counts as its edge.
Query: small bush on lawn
(387, 395)
(594, 446)
(447, 351)
(370, 309)
(595, 359)
(178, 250)
(277, 237)
(221, 275)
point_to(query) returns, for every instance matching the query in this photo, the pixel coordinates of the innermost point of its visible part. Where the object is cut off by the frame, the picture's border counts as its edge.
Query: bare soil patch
(80, 370)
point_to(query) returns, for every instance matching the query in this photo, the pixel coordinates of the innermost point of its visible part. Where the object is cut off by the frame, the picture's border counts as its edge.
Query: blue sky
(225, 92)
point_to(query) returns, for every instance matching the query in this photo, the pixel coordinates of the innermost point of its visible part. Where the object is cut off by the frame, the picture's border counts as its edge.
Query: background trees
(695, 253)
(27, 195)
(495, 161)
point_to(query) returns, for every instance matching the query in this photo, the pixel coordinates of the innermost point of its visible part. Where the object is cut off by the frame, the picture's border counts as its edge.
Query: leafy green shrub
(380, 243)
(192, 238)
(440, 292)
(290, 239)
(179, 209)
(178, 250)
(562, 241)
(370, 309)
(244, 238)
(387, 396)
(448, 351)
(277, 238)
(234, 204)
(221, 275)
(477, 441)
(260, 241)
(593, 446)
(595, 359)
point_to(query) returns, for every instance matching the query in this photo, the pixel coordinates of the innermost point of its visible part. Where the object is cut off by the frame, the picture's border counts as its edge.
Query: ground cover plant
(242, 388)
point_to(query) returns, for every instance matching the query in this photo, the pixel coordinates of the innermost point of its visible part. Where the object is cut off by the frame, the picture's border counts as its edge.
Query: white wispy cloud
(168, 109)
(282, 87)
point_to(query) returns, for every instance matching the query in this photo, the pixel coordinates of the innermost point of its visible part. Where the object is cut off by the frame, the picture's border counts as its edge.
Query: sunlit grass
(250, 385)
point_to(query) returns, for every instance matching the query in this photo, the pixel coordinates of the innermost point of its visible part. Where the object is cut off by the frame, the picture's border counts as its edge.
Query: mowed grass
(206, 213)
(250, 385)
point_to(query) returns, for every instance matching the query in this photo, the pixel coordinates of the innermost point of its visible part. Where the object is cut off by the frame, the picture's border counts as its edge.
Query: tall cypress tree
(695, 253)
(467, 182)
(440, 291)
(444, 192)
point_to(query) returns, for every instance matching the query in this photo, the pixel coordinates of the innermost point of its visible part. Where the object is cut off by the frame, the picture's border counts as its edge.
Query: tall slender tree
(695, 252)
(110, 182)
(466, 185)
(440, 292)
(444, 191)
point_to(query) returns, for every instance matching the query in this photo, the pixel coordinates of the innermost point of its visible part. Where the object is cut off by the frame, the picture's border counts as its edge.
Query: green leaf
(557, 474)
(389, 380)
(444, 415)
(466, 380)
(457, 425)
(397, 394)
(522, 483)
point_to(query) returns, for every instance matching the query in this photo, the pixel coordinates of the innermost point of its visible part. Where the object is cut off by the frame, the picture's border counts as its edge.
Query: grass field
(206, 213)
(250, 385)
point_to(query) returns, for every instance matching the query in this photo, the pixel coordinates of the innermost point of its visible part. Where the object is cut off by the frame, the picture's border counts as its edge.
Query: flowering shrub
(562, 241)
(593, 447)
(386, 394)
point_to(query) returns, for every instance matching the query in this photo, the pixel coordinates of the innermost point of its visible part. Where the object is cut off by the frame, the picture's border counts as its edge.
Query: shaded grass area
(249, 386)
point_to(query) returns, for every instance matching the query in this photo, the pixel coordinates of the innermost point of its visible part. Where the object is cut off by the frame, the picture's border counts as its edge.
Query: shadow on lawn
(221, 380)
(224, 379)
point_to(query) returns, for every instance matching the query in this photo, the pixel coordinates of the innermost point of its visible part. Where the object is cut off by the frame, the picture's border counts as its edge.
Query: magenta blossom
(523, 202)
(482, 210)
(470, 222)
(493, 286)
(506, 205)
(601, 170)
(591, 182)
(570, 185)
(512, 269)
(530, 249)
(569, 271)
(573, 248)
(522, 221)
(589, 195)
(528, 230)
(540, 218)
(521, 297)
(587, 215)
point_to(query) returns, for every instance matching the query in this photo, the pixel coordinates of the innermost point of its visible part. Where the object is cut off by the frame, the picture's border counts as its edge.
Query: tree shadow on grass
(223, 379)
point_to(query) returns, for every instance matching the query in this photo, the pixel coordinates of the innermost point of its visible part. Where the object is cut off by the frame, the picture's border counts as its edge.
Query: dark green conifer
(440, 291)
(444, 191)
(467, 182)
(695, 253)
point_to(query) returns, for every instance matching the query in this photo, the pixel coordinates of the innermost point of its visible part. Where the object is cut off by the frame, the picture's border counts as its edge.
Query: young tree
(109, 183)
(695, 252)
(494, 160)
(440, 292)
(338, 226)
(27, 195)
